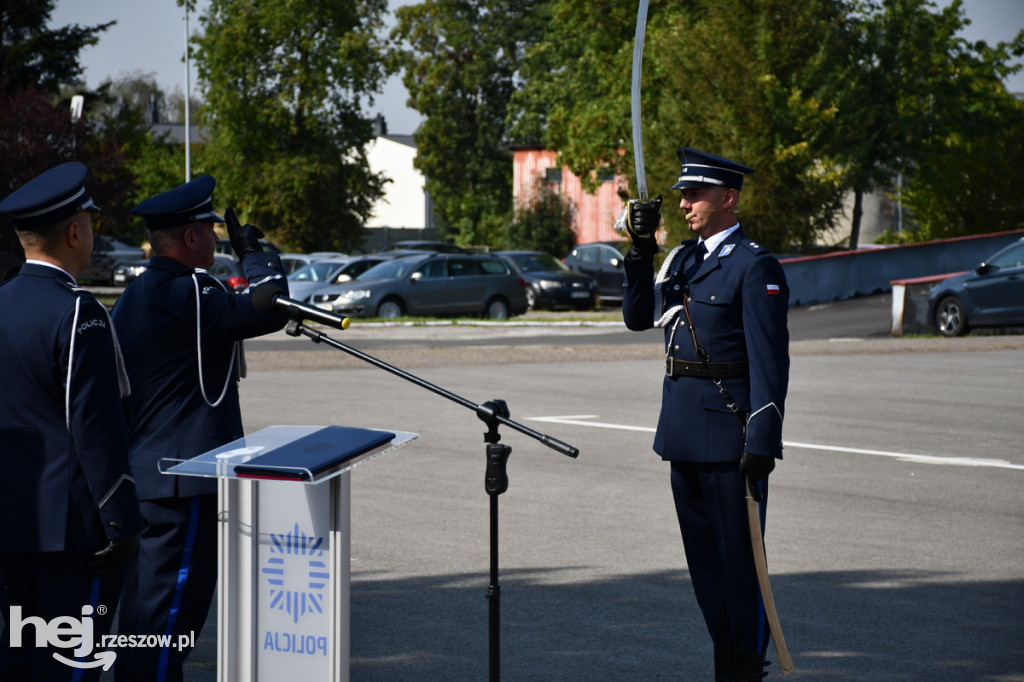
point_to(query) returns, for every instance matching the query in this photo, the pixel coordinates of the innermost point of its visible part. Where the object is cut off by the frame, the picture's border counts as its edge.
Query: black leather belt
(674, 367)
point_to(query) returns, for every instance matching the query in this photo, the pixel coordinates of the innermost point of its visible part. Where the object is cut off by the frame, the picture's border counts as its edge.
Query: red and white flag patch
(773, 289)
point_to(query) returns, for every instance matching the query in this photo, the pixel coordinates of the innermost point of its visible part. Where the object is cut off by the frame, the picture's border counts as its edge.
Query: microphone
(267, 299)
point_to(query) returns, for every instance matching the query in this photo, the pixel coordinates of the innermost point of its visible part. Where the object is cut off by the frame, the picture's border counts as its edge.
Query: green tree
(285, 81)
(36, 129)
(970, 185)
(542, 224)
(32, 54)
(911, 90)
(460, 61)
(741, 78)
(575, 96)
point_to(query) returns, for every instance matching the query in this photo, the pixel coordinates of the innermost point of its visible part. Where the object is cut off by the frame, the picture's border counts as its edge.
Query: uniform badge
(726, 250)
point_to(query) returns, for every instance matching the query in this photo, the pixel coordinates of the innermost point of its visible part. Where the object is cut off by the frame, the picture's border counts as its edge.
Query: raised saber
(761, 563)
(638, 134)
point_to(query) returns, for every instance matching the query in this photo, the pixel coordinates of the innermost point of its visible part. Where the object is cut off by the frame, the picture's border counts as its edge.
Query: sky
(150, 37)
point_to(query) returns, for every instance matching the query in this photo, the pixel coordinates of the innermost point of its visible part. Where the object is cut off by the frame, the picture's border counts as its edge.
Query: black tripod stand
(493, 413)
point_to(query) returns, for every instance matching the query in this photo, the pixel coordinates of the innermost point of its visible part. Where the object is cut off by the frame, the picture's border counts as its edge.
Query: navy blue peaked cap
(51, 196)
(189, 203)
(701, 168)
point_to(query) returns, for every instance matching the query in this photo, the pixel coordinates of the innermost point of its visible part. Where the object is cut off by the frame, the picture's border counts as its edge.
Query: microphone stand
(492, 413)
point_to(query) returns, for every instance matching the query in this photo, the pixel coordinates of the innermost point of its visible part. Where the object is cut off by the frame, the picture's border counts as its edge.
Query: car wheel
(390, 308)
(950, 317)
(531, 298)
(497, 309)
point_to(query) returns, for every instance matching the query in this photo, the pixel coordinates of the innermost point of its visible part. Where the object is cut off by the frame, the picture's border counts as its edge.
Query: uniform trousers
(168, 591)
(711, 506)
(49, 585)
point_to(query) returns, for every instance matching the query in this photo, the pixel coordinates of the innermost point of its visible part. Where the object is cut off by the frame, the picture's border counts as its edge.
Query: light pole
(188, 95)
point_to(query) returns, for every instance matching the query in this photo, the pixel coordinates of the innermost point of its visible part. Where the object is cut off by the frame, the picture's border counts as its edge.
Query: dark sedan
(550, 283)
(991, 295)
(603, 262)
(107, 254)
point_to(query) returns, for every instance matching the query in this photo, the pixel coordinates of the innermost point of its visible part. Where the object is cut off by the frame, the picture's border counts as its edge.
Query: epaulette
(753, 246)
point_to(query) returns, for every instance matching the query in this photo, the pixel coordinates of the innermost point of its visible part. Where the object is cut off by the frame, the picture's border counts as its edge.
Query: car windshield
(1011, 258)
(537, 262)
(315, 272)
(390, 269)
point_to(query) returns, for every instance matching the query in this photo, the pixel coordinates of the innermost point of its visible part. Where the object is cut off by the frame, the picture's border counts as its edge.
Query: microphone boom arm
(486, 412)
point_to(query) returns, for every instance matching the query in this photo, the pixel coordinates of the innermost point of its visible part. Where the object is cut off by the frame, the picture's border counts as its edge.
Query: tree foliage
(460, 61)
(543, 224)
(908, 84)
(820, 97)
(575, 96)
(284, 83)
(36, 128)
(33, 55)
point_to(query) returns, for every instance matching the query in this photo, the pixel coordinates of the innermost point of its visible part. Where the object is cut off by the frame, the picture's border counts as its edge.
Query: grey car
(991, 295)
(430, 284)
(303, 282)
(107, 254)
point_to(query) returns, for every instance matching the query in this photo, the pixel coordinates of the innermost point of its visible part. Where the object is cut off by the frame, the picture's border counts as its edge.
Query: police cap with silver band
(189, 203)
(54, 195)
(701, 168)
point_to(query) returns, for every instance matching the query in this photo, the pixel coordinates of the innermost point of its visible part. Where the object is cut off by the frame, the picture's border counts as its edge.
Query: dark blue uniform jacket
(739, 302)
(184, 398)
(64, 477)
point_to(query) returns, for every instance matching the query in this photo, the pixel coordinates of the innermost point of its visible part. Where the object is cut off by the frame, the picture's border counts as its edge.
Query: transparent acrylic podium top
(298, 453)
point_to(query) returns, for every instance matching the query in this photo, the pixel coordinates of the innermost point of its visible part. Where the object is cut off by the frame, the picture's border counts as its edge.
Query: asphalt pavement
(893, 529)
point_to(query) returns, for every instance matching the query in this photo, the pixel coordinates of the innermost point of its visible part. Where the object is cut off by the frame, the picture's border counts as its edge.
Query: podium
(284, 548)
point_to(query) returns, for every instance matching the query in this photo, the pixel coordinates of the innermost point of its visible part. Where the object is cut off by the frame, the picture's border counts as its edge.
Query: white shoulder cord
(662, 318)
(199, 349)
(119, 360)
(71, 362)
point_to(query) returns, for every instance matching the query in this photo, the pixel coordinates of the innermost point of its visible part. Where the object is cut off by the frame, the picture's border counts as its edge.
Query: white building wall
(404, 204)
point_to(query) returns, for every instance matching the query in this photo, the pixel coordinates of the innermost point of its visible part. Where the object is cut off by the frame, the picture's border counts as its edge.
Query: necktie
(699, 251)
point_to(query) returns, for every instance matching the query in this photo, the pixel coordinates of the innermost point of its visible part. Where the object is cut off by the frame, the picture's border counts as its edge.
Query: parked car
(550, 283)
(422, 245)
(294, 261)
(430, 284)
(992, 295)
(108, 253)
(227, 269)
(321, 273)
(224, 246)
(603, 262)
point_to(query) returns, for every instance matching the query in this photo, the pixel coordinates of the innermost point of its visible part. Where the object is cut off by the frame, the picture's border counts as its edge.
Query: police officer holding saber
(722, 301)
(182, 331)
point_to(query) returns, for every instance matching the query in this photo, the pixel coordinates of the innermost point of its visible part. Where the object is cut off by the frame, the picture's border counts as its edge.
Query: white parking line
(583, 420)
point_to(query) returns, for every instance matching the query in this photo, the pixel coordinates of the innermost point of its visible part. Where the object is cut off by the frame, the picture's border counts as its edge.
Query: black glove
(115, 555)
(756, 468)
(643, 221)
(245, 239)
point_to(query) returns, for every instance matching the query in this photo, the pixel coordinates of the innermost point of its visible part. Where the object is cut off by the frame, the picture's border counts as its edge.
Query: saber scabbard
(757, 544)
